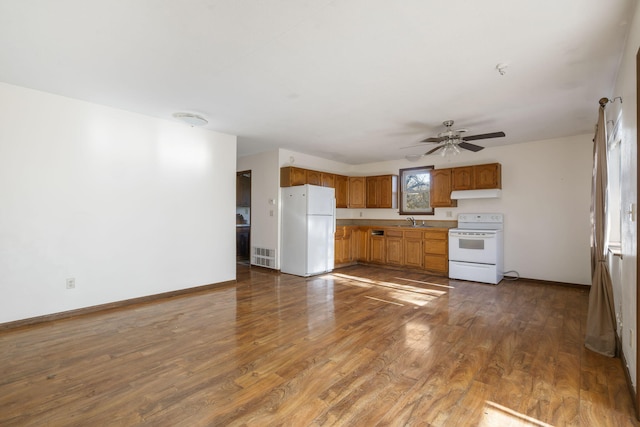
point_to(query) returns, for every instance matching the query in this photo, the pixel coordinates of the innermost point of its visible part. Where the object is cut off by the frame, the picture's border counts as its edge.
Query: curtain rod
(605, 101)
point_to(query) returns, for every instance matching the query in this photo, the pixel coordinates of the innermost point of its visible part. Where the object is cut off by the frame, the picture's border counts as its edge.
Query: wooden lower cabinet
(394, 247)
(377, 249)
(342, 249)
(397, 247)
(436, 251)
(360, 244)
(412, 246)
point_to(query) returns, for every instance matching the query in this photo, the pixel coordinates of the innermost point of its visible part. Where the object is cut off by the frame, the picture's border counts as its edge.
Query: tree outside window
(415, 186)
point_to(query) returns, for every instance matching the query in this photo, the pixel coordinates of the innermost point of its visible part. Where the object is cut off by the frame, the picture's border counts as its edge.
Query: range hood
(492, 193)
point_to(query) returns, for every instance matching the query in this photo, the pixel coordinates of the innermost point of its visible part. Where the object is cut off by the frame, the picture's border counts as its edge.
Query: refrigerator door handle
(334, 216)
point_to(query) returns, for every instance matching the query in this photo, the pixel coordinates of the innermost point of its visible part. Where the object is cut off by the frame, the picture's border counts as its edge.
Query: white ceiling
(348, 80)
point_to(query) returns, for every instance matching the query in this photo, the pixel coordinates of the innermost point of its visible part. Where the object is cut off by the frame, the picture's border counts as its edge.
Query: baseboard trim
(627, 376)
(109, 306)
(263, 269)
(551, 282)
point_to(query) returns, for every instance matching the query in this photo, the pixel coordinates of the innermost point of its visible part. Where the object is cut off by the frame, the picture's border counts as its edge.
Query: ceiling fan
(450, 141)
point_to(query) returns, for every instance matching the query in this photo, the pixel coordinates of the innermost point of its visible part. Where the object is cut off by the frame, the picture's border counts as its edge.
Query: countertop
(397, 223)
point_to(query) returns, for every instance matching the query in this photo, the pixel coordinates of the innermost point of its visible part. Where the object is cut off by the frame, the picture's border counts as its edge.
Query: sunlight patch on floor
(409, 294)
(413, 298)
(383, 300)
(397, 286)
(425, 283)
(498, 415)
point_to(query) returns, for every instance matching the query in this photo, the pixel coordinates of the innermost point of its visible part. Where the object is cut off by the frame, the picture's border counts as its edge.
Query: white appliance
(476, 248)
(308, 229)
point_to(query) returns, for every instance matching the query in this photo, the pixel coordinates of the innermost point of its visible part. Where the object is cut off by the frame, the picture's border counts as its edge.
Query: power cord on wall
(516, 277)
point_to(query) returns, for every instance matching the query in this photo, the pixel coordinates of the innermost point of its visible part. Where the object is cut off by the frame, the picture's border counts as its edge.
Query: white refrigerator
(308, 228)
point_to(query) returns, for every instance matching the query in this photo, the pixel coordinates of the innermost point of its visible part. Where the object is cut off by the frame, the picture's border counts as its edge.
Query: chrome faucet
(412, 220)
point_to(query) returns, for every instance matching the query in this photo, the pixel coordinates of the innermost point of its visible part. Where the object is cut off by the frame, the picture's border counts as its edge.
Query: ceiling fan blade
(434, 139)
(483, 136)
(433, 150)
(470, 147)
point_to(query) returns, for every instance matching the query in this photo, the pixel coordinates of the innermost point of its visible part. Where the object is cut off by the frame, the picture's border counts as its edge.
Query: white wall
(265, 194)
(126, 204)
(546, 201)
(626, 88)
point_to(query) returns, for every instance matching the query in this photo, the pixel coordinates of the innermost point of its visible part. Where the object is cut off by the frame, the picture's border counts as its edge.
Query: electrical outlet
(449, 214)
(71, 283)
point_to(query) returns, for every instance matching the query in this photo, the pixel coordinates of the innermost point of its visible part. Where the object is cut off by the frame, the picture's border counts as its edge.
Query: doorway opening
(243, 216)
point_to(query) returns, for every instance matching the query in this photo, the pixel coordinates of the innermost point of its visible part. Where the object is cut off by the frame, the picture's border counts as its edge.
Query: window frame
(403, 175)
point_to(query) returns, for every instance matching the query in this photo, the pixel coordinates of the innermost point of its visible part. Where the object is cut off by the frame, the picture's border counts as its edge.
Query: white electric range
(476, 248)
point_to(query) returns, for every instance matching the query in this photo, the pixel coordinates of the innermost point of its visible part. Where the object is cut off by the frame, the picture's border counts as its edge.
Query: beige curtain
(601, 321)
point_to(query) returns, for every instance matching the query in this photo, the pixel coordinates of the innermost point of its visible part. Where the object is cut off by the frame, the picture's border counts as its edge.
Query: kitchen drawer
(393, 233)
(438, 247)
(437, 263)
(436, 234)
(413, 234)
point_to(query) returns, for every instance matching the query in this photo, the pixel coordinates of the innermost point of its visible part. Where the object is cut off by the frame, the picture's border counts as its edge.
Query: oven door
(473, 246)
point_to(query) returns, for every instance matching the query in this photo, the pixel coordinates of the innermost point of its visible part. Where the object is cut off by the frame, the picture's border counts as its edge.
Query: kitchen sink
(415, 226)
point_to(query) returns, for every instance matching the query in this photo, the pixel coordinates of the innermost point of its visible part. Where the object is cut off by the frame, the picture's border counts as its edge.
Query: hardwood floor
(362, 346)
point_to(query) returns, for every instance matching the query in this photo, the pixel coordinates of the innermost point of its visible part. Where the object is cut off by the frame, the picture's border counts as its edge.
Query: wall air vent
(263, 257)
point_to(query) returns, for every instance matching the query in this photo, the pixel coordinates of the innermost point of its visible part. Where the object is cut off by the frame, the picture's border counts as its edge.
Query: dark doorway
(243, 216)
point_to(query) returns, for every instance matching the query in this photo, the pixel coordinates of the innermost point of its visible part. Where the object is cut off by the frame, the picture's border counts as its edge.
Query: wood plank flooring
(362, 346)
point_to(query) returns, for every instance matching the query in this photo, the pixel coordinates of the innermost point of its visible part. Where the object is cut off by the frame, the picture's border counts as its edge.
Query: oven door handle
(471, 236)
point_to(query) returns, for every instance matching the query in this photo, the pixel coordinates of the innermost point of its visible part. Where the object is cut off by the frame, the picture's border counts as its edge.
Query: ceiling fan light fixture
(191, 119)
(450, 148)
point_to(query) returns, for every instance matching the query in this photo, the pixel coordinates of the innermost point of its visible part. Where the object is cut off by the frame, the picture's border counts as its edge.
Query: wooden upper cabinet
(354, 192)
(341, 184)
(382, 191)
(389, 191)
(373, 191)
(462, 178)
(314, 177)
(440, 194)
(477, 177)
(357, 192)
(328, 180)
(487, 176)
(291, 176)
